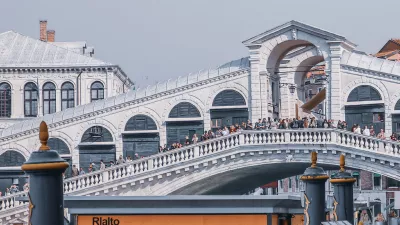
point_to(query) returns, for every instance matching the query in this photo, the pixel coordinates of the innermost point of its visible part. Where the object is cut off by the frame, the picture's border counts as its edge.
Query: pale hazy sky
(154, 40)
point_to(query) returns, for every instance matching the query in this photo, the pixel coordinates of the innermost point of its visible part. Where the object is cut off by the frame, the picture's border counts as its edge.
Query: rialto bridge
(359, 88)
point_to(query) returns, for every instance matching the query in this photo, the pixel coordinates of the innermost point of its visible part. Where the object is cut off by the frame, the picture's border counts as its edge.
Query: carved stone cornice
(372, 72)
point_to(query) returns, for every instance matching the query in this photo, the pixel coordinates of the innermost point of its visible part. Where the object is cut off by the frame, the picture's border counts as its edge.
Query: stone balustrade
(335, 137)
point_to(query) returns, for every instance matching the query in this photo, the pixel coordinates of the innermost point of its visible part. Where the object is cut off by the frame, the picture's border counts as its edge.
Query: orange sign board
(172, 219)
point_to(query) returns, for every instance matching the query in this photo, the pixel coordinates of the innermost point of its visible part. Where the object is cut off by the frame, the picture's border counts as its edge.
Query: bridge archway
(11, 161)
(184, 120)
(96, 144)
(228, 108)
(140, 136)
(365, 107)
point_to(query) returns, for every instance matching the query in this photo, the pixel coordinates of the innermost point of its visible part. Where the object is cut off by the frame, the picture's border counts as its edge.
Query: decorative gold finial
(313, 159)
(43, 136)
(342, 163)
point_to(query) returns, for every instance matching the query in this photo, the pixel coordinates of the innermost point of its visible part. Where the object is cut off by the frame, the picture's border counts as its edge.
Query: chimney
(43, 30)
(51, 35)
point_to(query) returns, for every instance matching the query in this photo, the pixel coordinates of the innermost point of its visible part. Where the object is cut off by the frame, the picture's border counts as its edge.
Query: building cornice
(374, 73)
(127, 104)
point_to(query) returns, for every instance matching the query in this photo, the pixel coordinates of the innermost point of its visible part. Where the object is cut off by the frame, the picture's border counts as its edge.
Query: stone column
(314, 197)
(58, 100)
(334, 87)
(46, 193)
(254, 84)
(343, 194)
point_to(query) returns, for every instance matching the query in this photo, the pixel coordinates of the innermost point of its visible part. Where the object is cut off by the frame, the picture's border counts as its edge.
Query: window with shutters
(30, 100)
(229, 98)
(184, 110)
(216, 123)
(140, 122)
(97, 134)
(11, 158)
(5, 100)
(58, 145)
(364, 93)
(49, 98)
(67, 96)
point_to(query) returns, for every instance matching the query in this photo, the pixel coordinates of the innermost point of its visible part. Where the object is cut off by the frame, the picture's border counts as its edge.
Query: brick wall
(367, 182)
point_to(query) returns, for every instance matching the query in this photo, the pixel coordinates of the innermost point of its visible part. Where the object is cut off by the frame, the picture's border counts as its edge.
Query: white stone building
(39, 77)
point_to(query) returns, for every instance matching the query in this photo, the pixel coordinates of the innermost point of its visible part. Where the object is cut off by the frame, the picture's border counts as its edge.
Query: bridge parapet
(210, 149)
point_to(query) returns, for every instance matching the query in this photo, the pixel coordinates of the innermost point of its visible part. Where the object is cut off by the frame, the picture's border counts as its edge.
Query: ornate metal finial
(43, 136)
(342, 163)
(314, 159)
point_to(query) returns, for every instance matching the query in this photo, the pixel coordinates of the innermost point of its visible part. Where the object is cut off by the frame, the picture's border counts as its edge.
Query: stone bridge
(230, 165)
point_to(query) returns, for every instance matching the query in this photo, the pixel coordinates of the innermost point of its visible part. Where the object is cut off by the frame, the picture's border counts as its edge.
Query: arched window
(184, 110)
(96, 91)
(364, 93)
(67, 96)
(5, 100)
(97, 134)
(229, 98)
(11, 158)
(49, 98)
(30, 100)
(140, 122)
(58, 145)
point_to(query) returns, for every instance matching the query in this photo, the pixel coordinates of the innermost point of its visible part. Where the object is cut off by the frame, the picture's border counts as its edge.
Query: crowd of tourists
(13, 189)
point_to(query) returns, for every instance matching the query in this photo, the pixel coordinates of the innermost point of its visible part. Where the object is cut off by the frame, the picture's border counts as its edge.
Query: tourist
(372, 131)
(249, 125)
(258, 124)
(81, 171)
(120, 160)
(265, 124)
(195, 139)
(381, 135)
(26, 187)
(313, 123)
(366, 131)
(75, 171)
(187, 142)
(393, 137)
(357, 129)
(102, 165)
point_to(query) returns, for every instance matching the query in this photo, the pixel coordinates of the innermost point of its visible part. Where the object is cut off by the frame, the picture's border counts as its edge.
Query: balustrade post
(381, 146)
(105, 176)
(287, 137)
(150, 164)
(196, 151)
(333, 136)
(241, 139)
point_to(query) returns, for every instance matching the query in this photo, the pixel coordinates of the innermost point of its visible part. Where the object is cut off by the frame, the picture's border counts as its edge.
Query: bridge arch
(183, 120)
(97, 143)
(140, 137)
(368, 111)
(11, 157)
(228, 106)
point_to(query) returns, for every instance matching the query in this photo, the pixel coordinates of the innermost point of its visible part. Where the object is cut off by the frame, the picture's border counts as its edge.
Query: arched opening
(297, 74)
(61, 147)
(10, 170)
(97, 144)
(184, 120)
(31, 100)
(67, 96)
(96, 91)
(5, 100)
(49, 98)
(365, 107)
(396, 119)
(228, 108)
(140, 137)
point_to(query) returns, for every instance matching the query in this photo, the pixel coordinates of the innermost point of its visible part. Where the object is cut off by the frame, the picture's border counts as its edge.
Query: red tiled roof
(395, 40)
